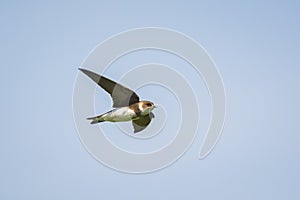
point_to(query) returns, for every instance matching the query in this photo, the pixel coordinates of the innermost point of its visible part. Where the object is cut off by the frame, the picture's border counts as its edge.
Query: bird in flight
(126, 102)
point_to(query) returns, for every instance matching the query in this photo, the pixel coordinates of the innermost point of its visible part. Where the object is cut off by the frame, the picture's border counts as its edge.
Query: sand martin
(126, 102)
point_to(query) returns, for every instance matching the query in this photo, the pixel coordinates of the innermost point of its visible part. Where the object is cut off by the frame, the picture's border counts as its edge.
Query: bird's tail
(96, 119)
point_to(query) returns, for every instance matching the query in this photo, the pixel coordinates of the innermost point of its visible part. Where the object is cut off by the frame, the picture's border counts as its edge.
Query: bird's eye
(149, 104)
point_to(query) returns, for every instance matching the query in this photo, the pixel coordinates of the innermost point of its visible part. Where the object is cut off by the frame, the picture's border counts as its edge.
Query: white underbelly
(119, 115)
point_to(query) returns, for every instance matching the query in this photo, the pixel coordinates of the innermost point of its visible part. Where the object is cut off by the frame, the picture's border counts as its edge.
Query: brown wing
(141, 123)
(121, 95)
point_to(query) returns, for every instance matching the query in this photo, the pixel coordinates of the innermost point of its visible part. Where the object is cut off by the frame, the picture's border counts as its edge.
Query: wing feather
(121, 95)
(141, 123)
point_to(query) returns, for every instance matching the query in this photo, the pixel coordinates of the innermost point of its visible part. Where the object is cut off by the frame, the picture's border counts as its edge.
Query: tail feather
(96, 119)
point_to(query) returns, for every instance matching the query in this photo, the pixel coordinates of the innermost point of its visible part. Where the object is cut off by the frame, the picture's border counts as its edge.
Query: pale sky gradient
(255, 46)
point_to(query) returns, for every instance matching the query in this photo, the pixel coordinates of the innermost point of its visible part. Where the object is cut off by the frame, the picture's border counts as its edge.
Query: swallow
(126, 103)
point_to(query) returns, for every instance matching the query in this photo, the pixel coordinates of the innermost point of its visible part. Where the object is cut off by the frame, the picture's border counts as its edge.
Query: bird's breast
(122, 114)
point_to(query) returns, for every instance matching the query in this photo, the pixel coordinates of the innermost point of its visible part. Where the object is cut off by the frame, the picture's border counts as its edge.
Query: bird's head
(146, 107)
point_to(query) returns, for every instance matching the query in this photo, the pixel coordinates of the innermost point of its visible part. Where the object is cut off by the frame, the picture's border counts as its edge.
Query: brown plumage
(127, 104)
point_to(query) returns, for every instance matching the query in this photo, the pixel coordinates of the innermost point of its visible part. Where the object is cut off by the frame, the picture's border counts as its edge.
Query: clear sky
(255, 45)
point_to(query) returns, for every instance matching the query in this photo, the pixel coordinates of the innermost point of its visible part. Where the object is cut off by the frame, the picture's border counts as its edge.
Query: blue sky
(255, 45)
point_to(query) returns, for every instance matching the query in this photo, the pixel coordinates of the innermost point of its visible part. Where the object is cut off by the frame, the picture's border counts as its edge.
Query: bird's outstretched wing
(141, 123)
(121, 96)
